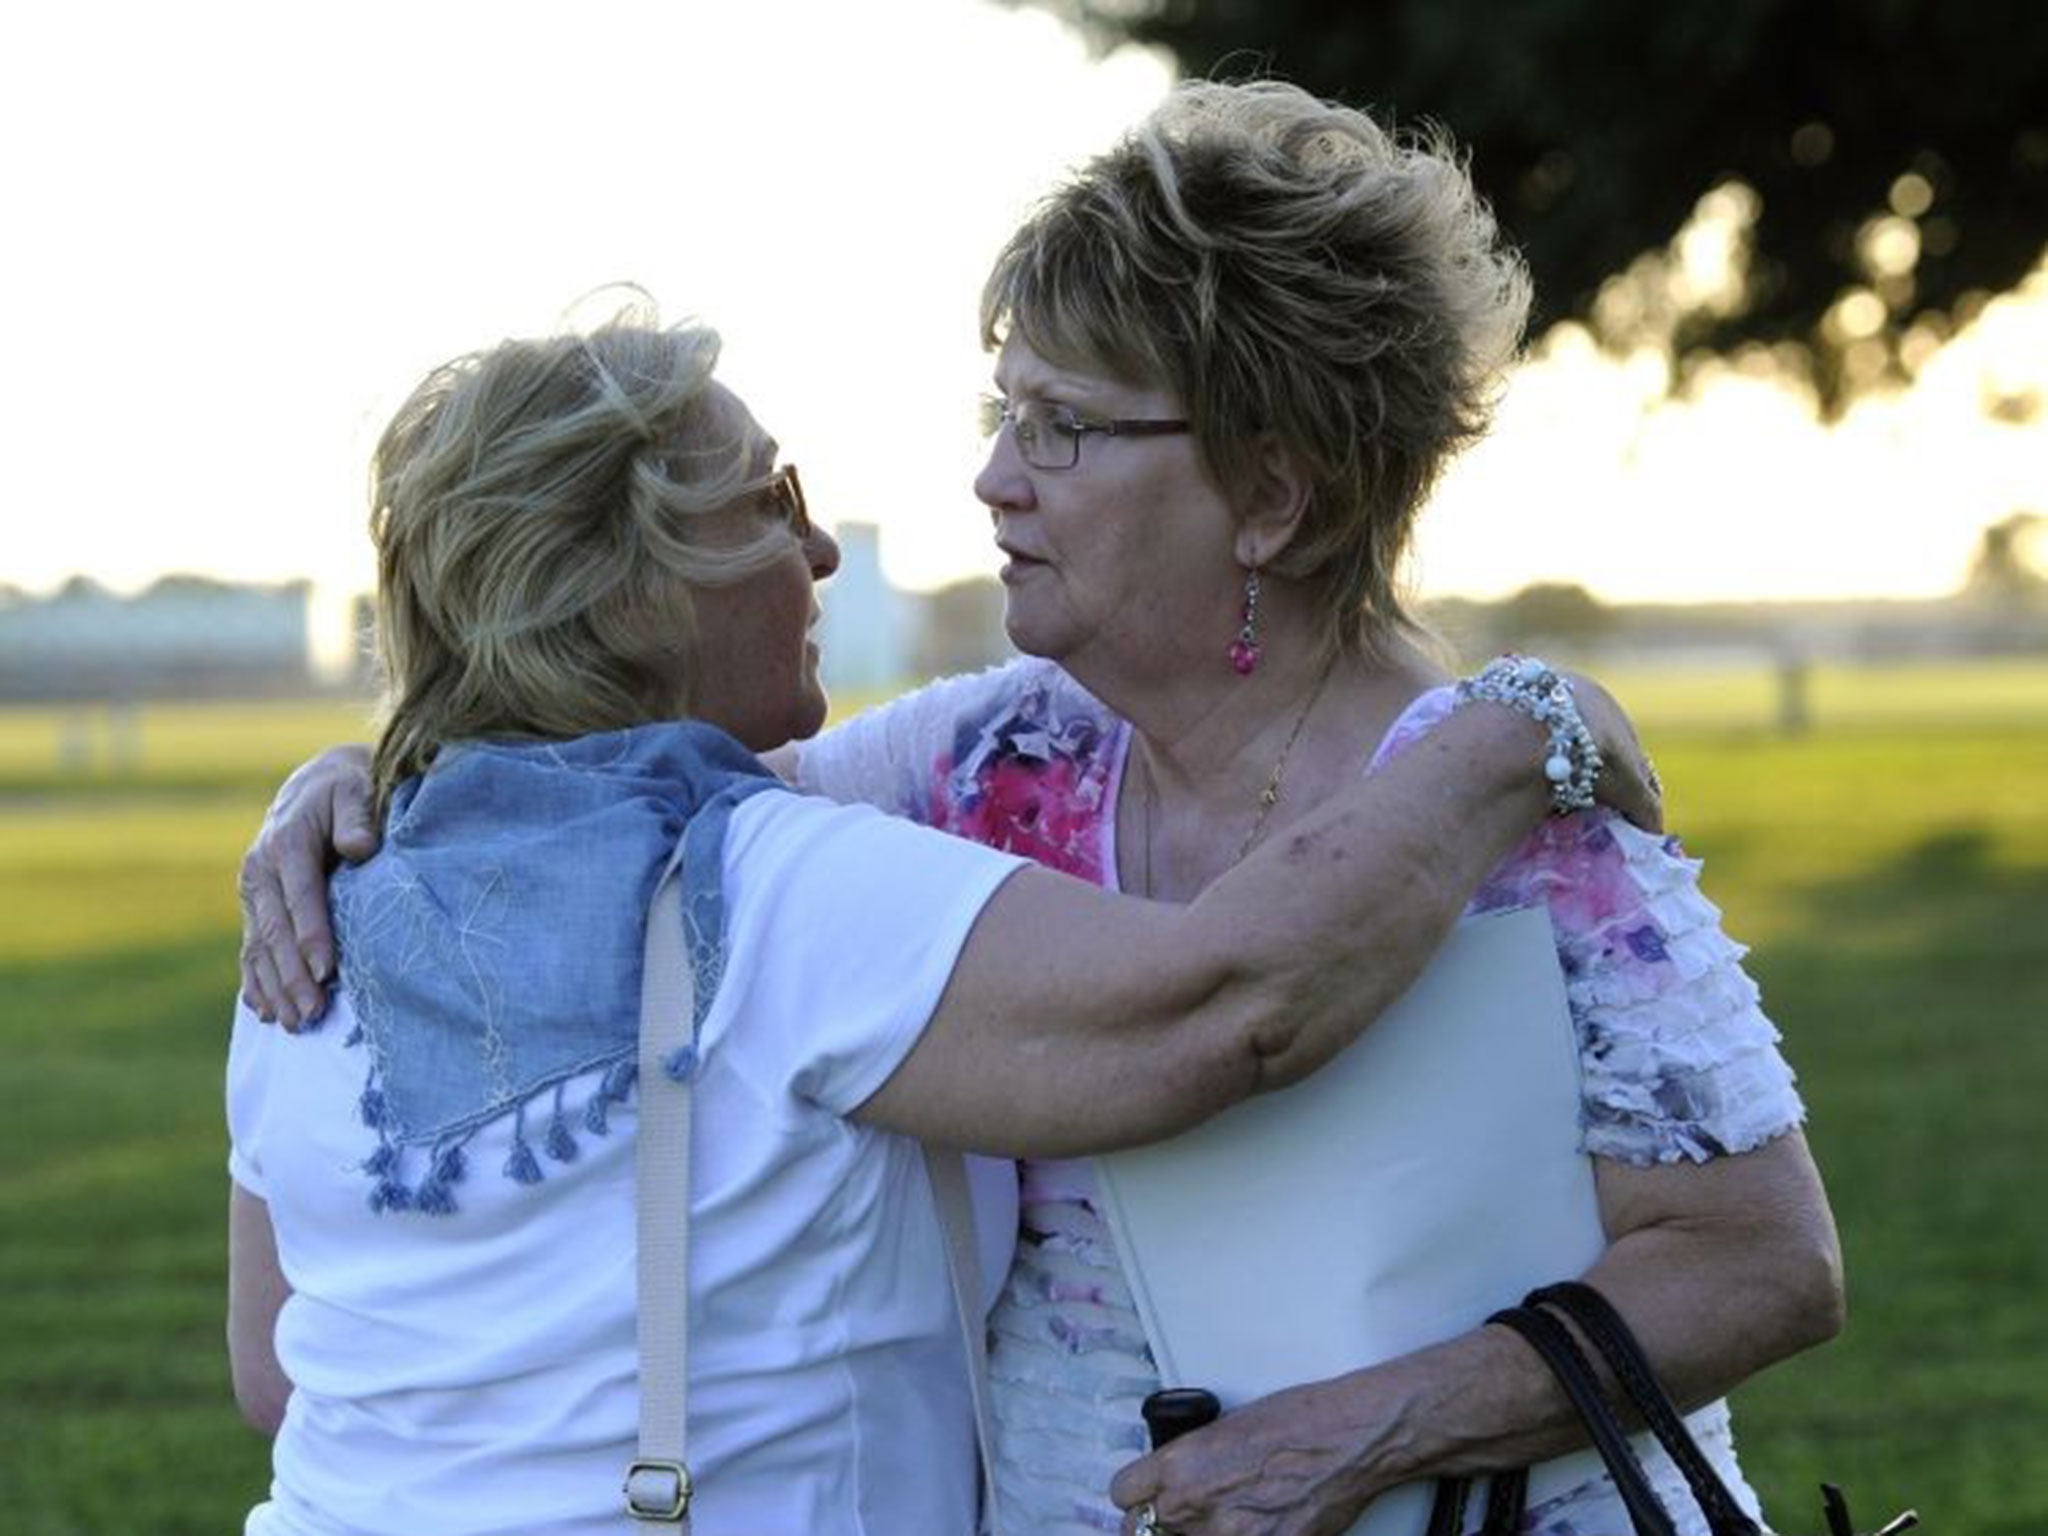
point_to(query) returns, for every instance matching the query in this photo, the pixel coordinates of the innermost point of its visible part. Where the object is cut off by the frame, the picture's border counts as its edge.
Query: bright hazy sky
(239, 232)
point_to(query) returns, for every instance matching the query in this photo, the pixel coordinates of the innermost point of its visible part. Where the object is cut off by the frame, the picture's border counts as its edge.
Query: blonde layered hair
(532, 511)
(1284, 265)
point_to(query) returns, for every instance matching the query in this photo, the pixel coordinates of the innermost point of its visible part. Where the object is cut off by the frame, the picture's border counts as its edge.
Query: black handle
(1553, 1342)
(1173, 1412)
(1609, 1333)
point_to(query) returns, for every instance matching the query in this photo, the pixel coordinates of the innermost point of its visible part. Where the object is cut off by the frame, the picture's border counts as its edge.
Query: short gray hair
(1284, 265)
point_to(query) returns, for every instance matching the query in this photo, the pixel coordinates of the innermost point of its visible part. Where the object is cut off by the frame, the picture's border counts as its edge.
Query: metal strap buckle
(657, 1490)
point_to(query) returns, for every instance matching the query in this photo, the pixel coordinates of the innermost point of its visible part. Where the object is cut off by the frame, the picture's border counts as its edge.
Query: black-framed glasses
(785, 493)
(1049, 436)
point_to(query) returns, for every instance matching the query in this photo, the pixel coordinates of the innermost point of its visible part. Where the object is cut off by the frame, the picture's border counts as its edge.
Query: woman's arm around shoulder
(1077, 1021)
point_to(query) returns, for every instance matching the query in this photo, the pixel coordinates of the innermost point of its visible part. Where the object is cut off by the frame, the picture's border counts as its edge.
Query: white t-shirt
(476, 1373)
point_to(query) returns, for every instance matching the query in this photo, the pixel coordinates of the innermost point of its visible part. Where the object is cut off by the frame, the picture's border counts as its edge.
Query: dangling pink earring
(1245, 649)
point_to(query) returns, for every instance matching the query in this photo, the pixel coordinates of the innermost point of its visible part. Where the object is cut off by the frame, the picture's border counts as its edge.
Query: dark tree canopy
(1596, 126)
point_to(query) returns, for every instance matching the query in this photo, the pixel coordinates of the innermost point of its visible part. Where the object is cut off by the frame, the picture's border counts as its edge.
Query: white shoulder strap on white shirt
(947, 1171)
(658, 1480)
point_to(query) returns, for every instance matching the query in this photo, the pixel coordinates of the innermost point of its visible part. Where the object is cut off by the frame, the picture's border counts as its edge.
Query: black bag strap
(1447, 1510)
(1616, 1343)
(1611, 1336)
(1568, 1363)
(1507, 1499)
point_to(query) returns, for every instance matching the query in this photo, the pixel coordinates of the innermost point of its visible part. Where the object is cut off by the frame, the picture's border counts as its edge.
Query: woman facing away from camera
(594, 592)
(1233, 355)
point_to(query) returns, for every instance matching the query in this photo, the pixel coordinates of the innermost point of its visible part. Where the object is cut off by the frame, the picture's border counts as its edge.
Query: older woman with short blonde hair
(1233, 355)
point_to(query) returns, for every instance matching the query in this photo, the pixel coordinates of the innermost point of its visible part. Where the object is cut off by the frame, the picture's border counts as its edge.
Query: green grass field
(1890, 868)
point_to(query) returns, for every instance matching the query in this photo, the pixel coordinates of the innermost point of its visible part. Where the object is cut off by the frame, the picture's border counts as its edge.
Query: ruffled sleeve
(1678, 1058)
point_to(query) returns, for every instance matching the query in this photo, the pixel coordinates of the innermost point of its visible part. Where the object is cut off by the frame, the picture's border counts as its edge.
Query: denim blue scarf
(491, 951)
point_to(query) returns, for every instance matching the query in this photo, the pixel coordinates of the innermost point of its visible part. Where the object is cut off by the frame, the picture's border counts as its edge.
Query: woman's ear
(1274, 502)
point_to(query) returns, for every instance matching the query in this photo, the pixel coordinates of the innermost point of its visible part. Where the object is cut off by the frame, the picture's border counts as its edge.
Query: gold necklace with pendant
(1268, 796)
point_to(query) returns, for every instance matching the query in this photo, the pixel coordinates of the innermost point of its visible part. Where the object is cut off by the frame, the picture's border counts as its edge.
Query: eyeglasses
(1049, 436)
(785, 493)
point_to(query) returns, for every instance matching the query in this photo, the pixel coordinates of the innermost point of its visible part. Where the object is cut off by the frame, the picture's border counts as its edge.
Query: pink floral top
(1678, 1060)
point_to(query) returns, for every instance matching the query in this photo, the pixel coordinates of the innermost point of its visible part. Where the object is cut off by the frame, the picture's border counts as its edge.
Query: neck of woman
(1219, 763)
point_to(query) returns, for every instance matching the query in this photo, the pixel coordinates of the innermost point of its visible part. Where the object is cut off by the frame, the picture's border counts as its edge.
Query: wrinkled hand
(1627, 782)
(322, 811)
(1286, 1465)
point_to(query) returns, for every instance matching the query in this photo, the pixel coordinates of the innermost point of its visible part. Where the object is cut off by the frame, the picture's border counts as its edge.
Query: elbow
(265, 1417)
(1221, 1067)
(261, 1398)
(1797, 1257)
(1806, 1294)
(1205, 1057)
(1289, 1024)
(1263, 1010)
(1282, 1000)
(1822, 1301)
(1241, 1028)
(1818, 1295)
(262, 1390)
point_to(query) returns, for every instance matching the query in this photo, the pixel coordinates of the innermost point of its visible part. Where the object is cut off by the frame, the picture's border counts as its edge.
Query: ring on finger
(1148, 1521)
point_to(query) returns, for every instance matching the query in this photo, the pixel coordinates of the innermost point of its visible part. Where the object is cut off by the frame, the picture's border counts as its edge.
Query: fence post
(1795, 706)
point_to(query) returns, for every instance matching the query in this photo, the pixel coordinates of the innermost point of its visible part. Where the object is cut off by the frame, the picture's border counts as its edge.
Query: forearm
(1711, 1308)
(1148, 1019)
(1477, 1403)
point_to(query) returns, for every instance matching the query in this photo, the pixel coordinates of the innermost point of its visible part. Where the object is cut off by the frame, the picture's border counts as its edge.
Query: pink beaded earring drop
(1245, 649)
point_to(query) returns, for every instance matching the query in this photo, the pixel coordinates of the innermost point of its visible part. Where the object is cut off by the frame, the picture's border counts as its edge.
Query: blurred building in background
(192, 637)
(876, 637)
(961, 629)
(866, 632)
(185, 637)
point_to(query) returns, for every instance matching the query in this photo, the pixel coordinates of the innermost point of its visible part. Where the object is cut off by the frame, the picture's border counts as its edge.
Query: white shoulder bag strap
(658, 1480)
(947, 1171)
